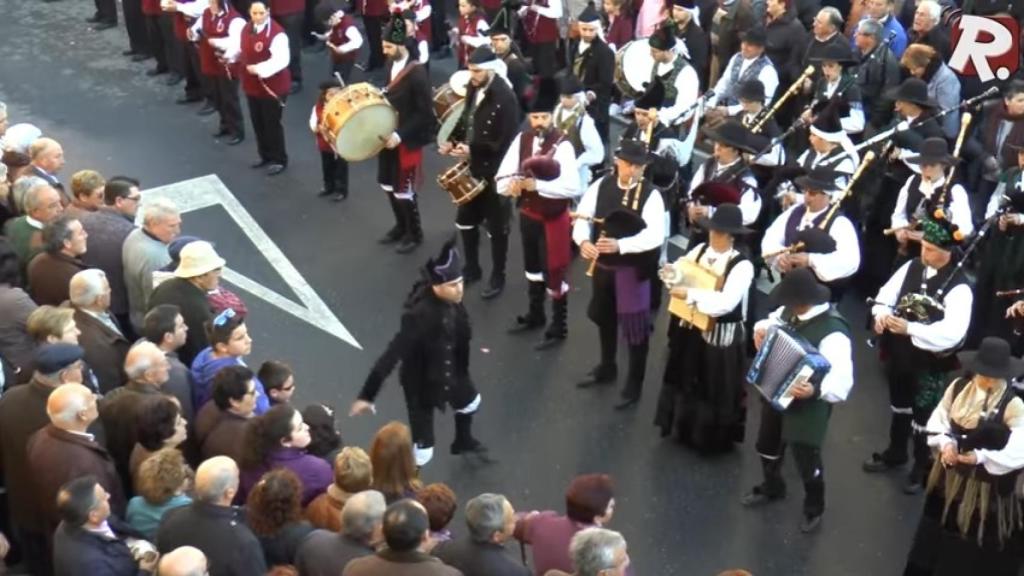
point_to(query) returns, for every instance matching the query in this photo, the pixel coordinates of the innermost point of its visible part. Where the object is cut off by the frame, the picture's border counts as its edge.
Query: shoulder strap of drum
(401, 74)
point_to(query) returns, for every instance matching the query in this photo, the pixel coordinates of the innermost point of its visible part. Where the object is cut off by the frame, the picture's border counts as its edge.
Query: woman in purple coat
(278, 439)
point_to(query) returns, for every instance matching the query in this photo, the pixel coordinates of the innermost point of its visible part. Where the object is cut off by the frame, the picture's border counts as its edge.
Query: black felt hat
(732, 133)
(727, 218)
(632, 151)
(482, 55)
(933, 151)
(820, 179)
(546, 98)
(664, 38)
(835, 52)
(751, 90)
(756, 36)
(569, 84)
(447, 267)
(395, 31)
(828, 125)
(800, 288)
(501, 26)
(913, 90)
(993, 359)
(653, 96)
(589, 14)
(688, 4)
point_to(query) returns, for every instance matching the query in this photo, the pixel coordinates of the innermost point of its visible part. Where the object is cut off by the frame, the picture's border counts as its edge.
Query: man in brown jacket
(50, 272)
(102, 336)
(64, 450)
(406, 531)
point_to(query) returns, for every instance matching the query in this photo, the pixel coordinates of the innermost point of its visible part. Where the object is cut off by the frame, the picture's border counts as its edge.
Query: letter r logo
(982, 43)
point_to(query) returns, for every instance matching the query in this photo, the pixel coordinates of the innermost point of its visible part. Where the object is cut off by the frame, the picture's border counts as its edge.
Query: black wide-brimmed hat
(632, 151)
(933, 151)
(913, 90)
(727, 218)
(447, 267)
(819, 179)
(835, 52)
(569, 84)
(993, 359)
(751, 90)
(546, 98)
(1018, 148)
(800, 288)
(732, 133)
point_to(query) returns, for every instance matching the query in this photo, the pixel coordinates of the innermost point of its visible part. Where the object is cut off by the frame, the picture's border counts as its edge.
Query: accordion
(783, 360)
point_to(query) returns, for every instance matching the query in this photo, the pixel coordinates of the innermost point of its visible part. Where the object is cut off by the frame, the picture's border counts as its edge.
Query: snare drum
(460, 184)
(357, 120)
(633, 65)
(449, 104)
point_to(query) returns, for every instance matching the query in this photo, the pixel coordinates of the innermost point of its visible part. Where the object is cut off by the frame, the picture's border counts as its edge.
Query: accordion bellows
(784, 359)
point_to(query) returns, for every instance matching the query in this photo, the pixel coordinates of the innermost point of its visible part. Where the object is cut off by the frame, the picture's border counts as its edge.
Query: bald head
(46, 153)
(183, 561)
(147, 363)
(71, 407)
(217, 481)
(363, 515)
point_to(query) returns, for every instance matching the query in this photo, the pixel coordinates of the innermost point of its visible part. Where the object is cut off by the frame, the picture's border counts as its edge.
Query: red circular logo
(259, 47)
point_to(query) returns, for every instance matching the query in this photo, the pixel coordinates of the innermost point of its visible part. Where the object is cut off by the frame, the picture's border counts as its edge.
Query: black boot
(607, 371)
(464, 442)
(635, 379)
(896, 454)
(922, 465)
(534, 317)
(773, 488)
(471, 246)
(396, 232)
(558, 329)
(413, 232)
(499, 253)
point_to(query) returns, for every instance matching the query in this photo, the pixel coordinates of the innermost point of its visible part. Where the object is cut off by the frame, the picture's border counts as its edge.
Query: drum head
(637, 63)
(450, 120)
(459, 82)
(363, 135)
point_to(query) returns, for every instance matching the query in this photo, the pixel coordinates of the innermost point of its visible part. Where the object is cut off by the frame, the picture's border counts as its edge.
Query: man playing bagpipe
(620, 227)
(798, 416)
(921, 316)
(678, 79)
(815, 235)
(578, 127)
(702, 394)
(539, 170)
(664, 144)
(594, 64)
(830, 147)
(837, 83)
(753, 115)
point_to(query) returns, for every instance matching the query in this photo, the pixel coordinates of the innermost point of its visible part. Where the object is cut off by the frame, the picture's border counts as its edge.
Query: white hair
(362, 513)
(140, 359)
(593, 550)
(933, 9)
(158, 209)
(86, 286)
(20, 136)
(33, 190)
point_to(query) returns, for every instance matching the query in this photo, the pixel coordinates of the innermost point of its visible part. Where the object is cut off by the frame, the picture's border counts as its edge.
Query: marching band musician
(540, 22)
(417, 45)
(290, 14)
(804, 308)
(918, 353)
(618, 22)
(594, 64)
(747, 64)
(572, 120)
(399, 165)
(624, 267)
(702, 391)
(664, 144)
(1002, 261)
(506, 50)
(184, 14)
(921, 194)
(342, 38)
(433, 347)
(678, 79)
(750, 94)
(692, 38)
(836, 83)
(827, 141)
(333, 168)
(263, 65)
(472, 29)
(488, 126)
(832, 268)
(544, 213)
(219, 28)
(731, 140)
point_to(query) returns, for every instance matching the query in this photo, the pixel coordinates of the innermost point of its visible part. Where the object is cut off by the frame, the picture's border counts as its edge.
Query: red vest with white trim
(339, 36)
(256, 49)
(214, 27)
(286, 7)
(540, 29)
(182, 24)
(467, 27)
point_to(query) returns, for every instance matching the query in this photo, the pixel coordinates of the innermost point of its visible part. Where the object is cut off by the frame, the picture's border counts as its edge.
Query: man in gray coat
(492, 522)
(145, 252)
(406, 531)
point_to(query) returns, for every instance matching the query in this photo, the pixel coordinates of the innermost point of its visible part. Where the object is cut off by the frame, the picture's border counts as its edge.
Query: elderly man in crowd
(165, 327)
(927, 28)
(65, 450)
(101, 336)
(877, 73)
(197, 274)
(882, 12)
(825, 31)
(108, 227)
(50, 272)
(597, 552)
(491, 521)
(22, 414)
(406, 532)
(323, 553)
(86, 192)
(147, 369)
(90, 539)
(145, 251)
(41, 205)
(211, 524)
(184, 561)
(47, 157)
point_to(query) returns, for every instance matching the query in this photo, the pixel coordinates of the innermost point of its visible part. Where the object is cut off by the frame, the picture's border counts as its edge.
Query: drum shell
(632, 59)
(460, 184)
(346, 104)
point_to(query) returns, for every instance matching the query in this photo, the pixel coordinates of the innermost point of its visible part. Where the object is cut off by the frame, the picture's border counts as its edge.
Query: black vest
(915, 198)
(793, 224)
(609, 199)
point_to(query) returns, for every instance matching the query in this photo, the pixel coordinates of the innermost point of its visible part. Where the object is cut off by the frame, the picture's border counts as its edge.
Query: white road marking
(207, 191)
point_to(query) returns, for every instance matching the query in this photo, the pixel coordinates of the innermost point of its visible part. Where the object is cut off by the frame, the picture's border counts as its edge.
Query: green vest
(806, 421)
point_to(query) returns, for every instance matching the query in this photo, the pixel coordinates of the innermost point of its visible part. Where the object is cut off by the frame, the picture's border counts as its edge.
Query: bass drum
(357, 120)
(633, 65)
(449, 102)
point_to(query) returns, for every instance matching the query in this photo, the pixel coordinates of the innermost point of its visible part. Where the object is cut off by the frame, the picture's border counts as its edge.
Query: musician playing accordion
(702, 389)
(620, 227)
(539, 170)
(804, 311)
(921, 316)
(814, 235)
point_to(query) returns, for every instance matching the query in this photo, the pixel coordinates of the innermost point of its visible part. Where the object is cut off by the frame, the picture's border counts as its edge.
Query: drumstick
(340, 79)
(269, 91)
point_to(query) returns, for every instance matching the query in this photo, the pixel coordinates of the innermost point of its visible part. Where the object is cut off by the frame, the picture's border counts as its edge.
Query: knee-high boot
(464, 442)
(471, 246)
(398, 230)
(413, 236)
(637, 372)
(499, 254)
(558, 329)
(534, 317)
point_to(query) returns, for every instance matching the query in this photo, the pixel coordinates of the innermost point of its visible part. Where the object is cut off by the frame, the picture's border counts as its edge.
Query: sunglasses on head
(222, 318)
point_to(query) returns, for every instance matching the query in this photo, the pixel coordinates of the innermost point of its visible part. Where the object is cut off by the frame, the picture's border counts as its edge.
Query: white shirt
(718, 303)
(353, 40)
(840, 263)
(959, 205)
(836, 348)
(997, 462)
(227, 44)
(845, 169)
(768, 76)
(938, 336)
(567, 185)
(593, 148)
(193, 9)
(750, 200)
(774, 157)
(996, 198)
(480, 38)
(553, 11)
(653, 213)
(279, 51)
(687, 85)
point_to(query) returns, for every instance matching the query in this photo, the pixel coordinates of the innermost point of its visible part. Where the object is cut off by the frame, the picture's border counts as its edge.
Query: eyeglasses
(222, 318)
(134, 198)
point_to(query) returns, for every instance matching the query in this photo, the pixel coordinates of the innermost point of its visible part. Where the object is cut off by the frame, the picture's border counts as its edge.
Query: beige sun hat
(198, 258)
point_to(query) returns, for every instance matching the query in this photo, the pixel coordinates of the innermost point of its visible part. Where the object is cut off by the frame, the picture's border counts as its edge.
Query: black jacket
(786, 39)
(119, 411)
(195, 309)
(477, 559)
(282, 546)
(79, 552)
(597, 74)
(433, 347)
(220, 532)
(413, 99)
(324, 553)
(495, 124)
(698, 44)
(519, 76)
(879, 70)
